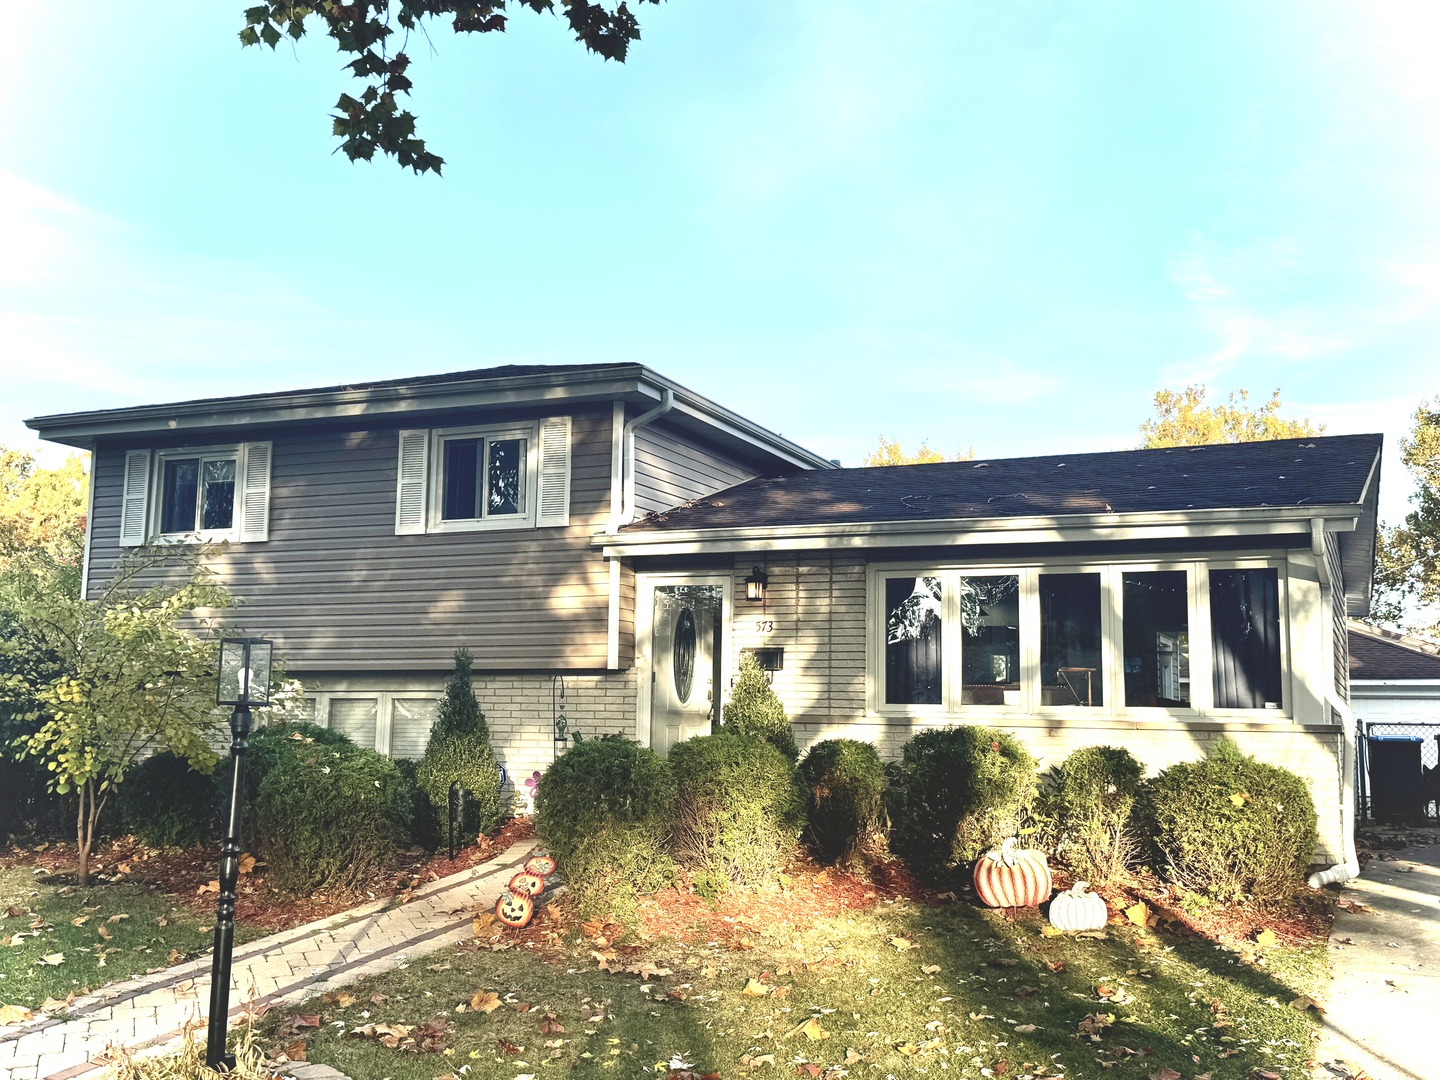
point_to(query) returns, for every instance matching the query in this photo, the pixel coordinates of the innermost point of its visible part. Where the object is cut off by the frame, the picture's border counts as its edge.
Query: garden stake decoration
(1077, 910)
(244, 681)
(515, 909)
(516, 906)
(1011, 877)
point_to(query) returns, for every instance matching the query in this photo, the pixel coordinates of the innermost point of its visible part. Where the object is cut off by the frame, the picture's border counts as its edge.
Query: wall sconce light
(755, 585)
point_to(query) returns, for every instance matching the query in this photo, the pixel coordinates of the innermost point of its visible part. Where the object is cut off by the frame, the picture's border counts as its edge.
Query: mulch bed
(188, 875)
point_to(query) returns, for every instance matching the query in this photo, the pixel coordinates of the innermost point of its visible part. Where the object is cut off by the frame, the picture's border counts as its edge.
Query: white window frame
(384, 709)
(527, 430)
(229, 452)
(1112, 641)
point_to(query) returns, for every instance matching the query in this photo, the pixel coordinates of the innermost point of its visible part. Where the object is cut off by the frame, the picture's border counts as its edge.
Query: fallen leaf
(1167, 1073)
(648, 971)
(116, 918)
(247, 864)
(485, 1001)
(1050, 931)
(901, 943)
(930, 969)
(1266, 939)
(1300, 1004)
(378, 999)
(344, 1000)
(208, 887)
(1024, 1029)
(173, 956)
(755, 988)
(103, 932)
(749, 1061)
(80, 920)
(14, 912)
(482, 922)
(123, 868)
(14, 1014)
(811, 1029)
(54, 959)
(1239, 799)
(1139, 914)
(55, 1004)
(295, 1051)
(1056, 966)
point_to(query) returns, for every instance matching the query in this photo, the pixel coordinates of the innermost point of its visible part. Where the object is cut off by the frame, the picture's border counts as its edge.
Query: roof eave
(969, 531)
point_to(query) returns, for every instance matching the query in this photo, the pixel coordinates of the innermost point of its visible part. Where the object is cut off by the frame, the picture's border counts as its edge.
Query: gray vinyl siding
(1340, 629)
(673, 467)
(337, 589)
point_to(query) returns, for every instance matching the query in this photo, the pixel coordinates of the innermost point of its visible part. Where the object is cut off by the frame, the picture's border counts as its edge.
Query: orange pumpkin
(514, 909)
(527, 883)
(1012, 877)
(540, 865)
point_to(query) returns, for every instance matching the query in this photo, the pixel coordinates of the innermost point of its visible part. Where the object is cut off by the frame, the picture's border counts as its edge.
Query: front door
(685, 652)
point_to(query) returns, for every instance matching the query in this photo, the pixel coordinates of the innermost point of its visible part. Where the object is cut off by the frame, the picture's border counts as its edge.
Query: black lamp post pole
(215, 1055)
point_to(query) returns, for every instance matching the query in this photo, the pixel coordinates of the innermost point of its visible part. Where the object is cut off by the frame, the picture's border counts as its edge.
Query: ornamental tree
(364, 29)
(123, 676)
(1183, 419)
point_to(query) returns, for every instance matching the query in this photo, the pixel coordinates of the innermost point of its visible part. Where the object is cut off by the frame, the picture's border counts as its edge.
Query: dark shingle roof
(1381, 655)
(1326, 470)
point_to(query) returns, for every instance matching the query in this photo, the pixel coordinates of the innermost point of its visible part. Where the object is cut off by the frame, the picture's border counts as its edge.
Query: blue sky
(1002, 225)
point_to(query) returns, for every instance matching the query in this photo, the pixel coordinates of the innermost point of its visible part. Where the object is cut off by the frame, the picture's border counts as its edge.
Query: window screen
(1070, 670)
(1245, 632)
(912, 641)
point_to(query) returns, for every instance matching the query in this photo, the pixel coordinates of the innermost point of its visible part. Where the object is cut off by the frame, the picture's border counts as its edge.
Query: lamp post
(244, 681)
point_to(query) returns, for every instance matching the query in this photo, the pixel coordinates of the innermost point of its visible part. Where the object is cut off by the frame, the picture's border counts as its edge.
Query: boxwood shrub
(329, 816)
(1085, 805)
(754, 709)
(1230, 827)
(603, 812)
(955, 792)
(739, 809)
(845, 806)
(166, 803)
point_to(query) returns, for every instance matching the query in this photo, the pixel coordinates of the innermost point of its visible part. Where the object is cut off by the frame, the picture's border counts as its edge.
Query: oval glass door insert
(683, 655)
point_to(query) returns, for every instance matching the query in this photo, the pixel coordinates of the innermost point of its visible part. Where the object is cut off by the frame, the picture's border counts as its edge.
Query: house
(602, 533)
(1395, 691)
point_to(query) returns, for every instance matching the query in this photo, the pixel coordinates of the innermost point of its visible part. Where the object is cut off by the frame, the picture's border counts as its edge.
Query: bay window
(1184, 639)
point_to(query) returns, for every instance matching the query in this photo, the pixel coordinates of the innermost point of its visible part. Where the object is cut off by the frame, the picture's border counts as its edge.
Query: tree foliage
(1182, 418)
(1407, 576)
(365, 29)
(42, 508)
(890, 452)
(124, 676)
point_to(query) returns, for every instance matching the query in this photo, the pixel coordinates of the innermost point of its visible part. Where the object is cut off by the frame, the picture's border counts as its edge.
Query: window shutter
(133, 500)
(554, 500)
(255, 495)
(410, 489)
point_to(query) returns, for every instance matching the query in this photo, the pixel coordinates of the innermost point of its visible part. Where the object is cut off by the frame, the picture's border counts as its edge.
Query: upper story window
(196, 494)
(1068, 639)
(507, 476)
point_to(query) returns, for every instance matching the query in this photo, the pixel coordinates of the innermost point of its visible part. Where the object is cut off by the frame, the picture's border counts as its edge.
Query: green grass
(880, 1009)
(137, 942)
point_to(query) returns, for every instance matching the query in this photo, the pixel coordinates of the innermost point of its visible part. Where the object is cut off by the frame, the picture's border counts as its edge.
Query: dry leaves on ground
(811, 1029)
(485, 1001)
(14, 1014)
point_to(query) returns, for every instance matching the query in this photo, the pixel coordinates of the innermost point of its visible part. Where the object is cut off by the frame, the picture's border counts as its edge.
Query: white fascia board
(1394, 687)
(1181, 524)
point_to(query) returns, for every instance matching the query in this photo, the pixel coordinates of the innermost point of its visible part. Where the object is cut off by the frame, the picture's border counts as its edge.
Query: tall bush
(459, 752)
(955, 792)
(1231, 827)
(1085, 806)
(329, 817)
(603, 811)
(166, 803)
(754, 710)
(739, 809)
(845, 806)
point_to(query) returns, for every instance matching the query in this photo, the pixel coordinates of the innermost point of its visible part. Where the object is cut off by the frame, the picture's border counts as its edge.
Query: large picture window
(1156, 618)
(1071, 671)
(990, 640)
(913, 623)
(1245, 638)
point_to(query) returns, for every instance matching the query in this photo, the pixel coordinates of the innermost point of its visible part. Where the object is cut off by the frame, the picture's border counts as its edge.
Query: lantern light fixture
(244, 672)
(755, 585)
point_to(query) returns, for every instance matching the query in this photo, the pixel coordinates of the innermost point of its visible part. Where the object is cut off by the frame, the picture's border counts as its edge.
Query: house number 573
(764, 626)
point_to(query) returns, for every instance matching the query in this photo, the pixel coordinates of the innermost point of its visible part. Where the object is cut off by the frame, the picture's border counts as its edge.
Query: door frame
(645, 624)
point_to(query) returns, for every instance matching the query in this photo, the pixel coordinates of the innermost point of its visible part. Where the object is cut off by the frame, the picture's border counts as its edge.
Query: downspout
(627, 476)
(1350, 867)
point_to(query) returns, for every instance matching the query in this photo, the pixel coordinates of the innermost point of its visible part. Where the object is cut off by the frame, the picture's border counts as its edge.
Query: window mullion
(1112, 644)
(482, 503)
(1030, 639)
(1202, 685)
(950, 658)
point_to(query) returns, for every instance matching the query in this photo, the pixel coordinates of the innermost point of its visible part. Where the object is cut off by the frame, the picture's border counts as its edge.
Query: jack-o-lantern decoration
(527, 883)
(1079, 909)
(1012, 877)
(514, 909)
(540, 865)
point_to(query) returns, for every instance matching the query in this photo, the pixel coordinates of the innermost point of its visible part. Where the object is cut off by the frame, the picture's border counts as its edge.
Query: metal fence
(1429, 734)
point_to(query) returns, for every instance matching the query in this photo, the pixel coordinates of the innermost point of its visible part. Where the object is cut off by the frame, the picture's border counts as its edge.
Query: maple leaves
(374, 120)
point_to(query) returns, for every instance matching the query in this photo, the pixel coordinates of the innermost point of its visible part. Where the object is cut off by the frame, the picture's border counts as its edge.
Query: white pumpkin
(1079, 909)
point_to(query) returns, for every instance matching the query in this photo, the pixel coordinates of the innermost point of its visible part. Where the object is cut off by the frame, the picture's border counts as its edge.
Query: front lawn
(898, 987)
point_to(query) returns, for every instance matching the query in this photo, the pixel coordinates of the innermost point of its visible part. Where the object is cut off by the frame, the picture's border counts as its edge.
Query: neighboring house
(601, 523)
(1394, 679)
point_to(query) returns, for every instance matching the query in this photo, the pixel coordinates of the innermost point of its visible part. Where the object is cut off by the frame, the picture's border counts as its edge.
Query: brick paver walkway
(150, 1012)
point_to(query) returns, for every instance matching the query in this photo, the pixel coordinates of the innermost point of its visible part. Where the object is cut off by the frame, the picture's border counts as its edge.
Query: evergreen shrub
(1231, 828)
(426, 828)
(956, 792)
(459, 752)
(739, 809)
(845, 807)
(279, 742)
(166, 803)
(754, 710)
(603, 812)
(329, 817)
(1085, 806)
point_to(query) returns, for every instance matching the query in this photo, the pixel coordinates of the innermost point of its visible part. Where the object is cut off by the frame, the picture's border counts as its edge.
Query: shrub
(459, 753)
(845, 808)
(603, 811)
(1085, 804)
(955, 792)
(739, 809)
(329, 817)
(166, 803)
(426, 828)
(274, 743)
(754, 710)
(1231, 827)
